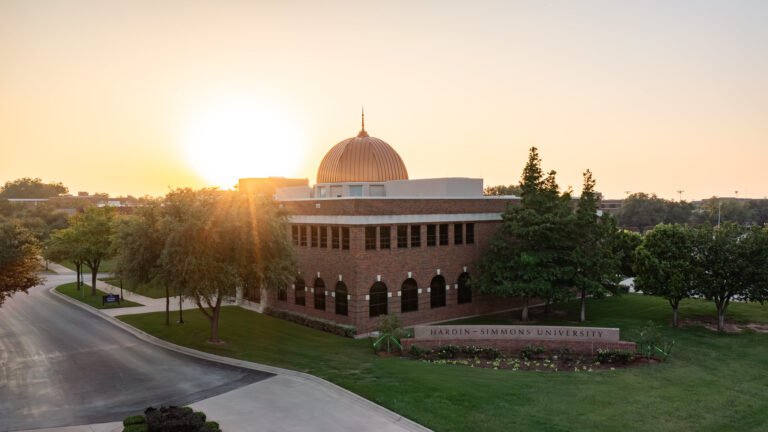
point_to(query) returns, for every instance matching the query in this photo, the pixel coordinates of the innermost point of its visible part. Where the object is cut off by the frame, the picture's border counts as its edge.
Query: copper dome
(361, 159)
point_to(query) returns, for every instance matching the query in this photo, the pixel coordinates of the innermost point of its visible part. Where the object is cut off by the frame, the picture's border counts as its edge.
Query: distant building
(371, 242)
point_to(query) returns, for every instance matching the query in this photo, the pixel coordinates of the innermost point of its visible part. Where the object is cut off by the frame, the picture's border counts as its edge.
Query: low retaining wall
(513, 347)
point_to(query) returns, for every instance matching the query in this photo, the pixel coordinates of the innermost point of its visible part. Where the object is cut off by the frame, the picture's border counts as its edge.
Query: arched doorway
(465, 288)
(378, 299)
(342, 303)
(437, 292)
(409, 296)
(319, 294)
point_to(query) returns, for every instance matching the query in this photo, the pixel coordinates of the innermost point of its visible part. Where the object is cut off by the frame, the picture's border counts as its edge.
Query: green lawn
(106, 266)
(152, 290)
(71, 290)
(712, 382)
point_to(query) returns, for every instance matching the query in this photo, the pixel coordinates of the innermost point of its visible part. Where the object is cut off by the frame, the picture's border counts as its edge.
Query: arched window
(282, 294)
(437, 292)
(319, 294)
(378, 299)
(465, 288)
(342, 303)
(299, 292)
(409, 296)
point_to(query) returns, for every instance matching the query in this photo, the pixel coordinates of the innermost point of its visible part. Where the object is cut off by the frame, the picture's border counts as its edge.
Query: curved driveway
(60, 367)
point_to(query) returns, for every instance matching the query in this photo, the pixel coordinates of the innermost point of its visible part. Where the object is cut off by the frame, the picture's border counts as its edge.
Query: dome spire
(363, 133)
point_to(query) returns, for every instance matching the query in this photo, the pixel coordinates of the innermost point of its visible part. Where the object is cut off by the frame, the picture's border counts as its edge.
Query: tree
(138, 245)
(734, 265)
(625, 243)
(500, 190)
(19, 251)
(93, 230)
(641, 211)
(595, 267)
(666, 265)
(528, 257)
(219, 241)
(65, 245)
(31, 188)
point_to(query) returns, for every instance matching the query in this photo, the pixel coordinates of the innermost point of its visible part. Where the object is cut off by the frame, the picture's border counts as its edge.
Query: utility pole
(680, 195)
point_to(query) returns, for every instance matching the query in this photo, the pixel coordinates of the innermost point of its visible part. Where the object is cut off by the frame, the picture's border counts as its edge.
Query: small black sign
(110, 298)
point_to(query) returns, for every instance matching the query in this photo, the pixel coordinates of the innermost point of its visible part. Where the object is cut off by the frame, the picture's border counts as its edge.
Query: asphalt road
(62, 366)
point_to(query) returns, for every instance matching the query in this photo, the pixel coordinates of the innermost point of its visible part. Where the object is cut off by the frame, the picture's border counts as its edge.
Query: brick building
(371, 242)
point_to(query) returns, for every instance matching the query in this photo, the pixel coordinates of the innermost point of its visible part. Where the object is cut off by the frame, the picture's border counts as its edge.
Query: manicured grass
(152, 290)
(85, 296)
(712, 382)
(106, 266)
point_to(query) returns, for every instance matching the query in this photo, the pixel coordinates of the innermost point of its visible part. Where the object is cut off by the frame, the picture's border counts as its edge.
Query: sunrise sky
(134, 97)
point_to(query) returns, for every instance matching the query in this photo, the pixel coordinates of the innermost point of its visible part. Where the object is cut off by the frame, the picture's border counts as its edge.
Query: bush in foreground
(170, 419)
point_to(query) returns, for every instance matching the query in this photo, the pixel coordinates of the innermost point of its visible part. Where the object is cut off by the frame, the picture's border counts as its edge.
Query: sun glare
(235, 141)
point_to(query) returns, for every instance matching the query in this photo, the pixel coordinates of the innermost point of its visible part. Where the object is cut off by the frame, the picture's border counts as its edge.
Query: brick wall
(359, 268)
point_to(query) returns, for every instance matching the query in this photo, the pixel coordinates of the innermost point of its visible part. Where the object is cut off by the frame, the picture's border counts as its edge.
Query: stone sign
(521, 332)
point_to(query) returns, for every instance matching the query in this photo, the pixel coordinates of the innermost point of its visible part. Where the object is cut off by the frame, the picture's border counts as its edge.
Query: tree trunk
(674, 316)
(215, 320)
(78, 270)
(524, 315)
(94, 270)
(167, 306)
(583, 312)
(546, 306)
(721, 316)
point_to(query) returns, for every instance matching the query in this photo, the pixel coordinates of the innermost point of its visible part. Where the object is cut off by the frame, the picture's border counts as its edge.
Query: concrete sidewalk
(290, 401)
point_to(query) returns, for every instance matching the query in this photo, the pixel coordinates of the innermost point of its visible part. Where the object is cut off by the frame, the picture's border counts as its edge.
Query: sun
(237, 140)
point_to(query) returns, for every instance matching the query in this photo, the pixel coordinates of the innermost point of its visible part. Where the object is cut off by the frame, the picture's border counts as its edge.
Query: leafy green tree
(500, 190)
(66, 245)
(595, 266)
(734, 265)
(220, 241)
(138, 245)
(714, 210)
(529, 256)
(93, 230)
(666, 265)
(31, 188)
(19, 251)
(625, 243)
(642, 211)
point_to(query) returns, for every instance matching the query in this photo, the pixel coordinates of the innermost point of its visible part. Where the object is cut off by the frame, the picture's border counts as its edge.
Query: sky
(138, 97)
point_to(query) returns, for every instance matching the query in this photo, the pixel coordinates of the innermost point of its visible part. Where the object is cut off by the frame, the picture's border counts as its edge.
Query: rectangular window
(385, 237)
(322, 191)
(335, 237)
(303, 235)
(345, 238)
(335, 191)
(458, 233)
(295, 234)
(370, 238)
(443, 234)
(431, 235)
(356, 191)
(415, 236)
(470, 233)
(315, 235)
(376, 190)
(324, 237)
(402, 236)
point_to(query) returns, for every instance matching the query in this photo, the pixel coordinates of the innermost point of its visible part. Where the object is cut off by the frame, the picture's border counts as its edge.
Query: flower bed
(531, 358)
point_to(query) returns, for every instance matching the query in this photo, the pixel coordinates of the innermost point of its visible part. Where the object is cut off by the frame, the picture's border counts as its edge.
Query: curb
(348, 395)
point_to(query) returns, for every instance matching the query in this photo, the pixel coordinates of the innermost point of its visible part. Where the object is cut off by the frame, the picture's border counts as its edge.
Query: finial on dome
(363, 133)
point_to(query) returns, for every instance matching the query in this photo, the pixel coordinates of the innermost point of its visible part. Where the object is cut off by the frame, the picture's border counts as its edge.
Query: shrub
(173, 419)
(532, 352)
(315, 323)
(136, 427)
(211, 426)
(614, 356)
(483, 352)
(419, 352)
(650, 342)
(448, 351)
(134, 419)
(565, 354)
